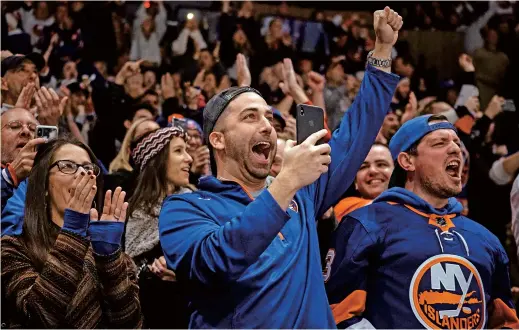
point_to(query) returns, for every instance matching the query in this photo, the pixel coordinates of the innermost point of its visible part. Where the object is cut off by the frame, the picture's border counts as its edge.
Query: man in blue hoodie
(410, 259)
(247, 245)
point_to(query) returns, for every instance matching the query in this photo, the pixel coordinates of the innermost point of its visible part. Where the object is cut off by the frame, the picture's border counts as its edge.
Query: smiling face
(244, 138)
(373, 176)
(179, 163)
(437, 165)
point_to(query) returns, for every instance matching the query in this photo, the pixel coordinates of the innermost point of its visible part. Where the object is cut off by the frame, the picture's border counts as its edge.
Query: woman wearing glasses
(66, 268)
(163, 163)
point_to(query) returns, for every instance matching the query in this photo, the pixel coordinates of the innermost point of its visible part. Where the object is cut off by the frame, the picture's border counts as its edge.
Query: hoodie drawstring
(464, 242)
(438, 237)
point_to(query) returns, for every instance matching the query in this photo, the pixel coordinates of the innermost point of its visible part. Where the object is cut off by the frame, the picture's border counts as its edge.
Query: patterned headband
(151, 145)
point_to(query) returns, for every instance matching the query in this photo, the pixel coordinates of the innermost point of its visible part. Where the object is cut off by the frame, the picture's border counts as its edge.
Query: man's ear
(4, 84)
(127, 124)
(406, 161)
(217, 140)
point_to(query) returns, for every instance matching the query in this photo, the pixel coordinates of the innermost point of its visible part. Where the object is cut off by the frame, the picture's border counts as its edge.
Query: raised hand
(167, 86)
(387, 23)
(129, 69)
(495, 106)
(289, 86)
(411, 109)
(23, 162)
(49, 106)
(114, 208)
(200, 160)
(316, 82)
(304, 163)
(466, 63)
(244, 77)
(82, 192)
(25, 97)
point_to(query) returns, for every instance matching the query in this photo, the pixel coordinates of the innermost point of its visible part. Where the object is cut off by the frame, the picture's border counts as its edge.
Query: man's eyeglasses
(69, 167)
(17, 125)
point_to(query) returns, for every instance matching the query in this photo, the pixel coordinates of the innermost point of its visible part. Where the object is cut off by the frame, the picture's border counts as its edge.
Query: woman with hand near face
(372, 179)
(66, 269)
(163, 163)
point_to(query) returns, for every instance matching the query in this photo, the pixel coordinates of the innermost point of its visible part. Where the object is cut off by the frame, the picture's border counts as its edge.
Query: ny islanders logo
(446, 292)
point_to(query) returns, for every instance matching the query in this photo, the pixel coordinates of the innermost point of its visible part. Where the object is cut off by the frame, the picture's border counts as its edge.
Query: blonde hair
(122, 160)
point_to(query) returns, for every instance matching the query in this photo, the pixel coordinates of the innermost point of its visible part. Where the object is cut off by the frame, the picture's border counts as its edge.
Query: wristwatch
(381, 63)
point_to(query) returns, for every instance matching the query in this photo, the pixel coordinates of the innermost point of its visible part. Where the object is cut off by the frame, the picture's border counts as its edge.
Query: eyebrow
(256, 109)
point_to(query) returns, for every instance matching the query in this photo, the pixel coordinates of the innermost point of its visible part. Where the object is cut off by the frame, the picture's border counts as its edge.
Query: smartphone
(309, 119)
(509, 105)
(48, 132)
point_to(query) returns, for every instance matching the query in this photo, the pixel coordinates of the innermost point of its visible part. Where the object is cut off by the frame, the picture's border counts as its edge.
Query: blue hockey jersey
(248, 263)
(400, 263)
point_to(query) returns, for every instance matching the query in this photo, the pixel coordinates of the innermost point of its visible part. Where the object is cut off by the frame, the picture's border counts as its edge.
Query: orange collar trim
(444, 222)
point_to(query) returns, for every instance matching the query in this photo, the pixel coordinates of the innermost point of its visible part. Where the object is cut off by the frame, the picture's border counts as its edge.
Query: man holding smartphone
(246, 244)
(18, 148)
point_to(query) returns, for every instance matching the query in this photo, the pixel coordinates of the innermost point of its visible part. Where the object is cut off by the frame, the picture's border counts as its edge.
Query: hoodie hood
(404, 196)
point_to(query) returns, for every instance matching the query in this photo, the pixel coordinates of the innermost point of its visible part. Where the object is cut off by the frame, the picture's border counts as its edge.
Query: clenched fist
(387, 23)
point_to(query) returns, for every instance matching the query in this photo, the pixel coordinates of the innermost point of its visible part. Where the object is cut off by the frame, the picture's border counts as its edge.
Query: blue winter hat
(412, 131)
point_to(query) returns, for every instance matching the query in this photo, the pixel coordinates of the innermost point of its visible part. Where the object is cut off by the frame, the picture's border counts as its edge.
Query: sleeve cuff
(76, 222)
(273, 206)
(106, 236)
(388, 76)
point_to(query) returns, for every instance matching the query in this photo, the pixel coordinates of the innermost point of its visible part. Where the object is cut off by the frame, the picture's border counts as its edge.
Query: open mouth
(453, 168)
(185, 169)
(262, 150)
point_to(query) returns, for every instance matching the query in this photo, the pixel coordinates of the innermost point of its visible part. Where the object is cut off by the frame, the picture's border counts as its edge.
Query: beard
(8, 156)
(240, 152)
(440, 190)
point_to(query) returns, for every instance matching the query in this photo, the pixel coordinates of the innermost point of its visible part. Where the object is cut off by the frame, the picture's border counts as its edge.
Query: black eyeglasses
(17, 125)
(69, 167)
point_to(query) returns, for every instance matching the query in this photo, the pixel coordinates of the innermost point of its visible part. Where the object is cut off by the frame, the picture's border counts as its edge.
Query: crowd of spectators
(117, 77)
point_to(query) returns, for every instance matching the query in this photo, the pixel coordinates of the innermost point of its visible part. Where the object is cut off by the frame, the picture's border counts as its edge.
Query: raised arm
(352, 141)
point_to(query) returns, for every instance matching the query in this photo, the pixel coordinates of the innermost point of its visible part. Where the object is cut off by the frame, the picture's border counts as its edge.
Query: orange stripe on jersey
(348, 205)
(433, 218)
(501, 316)
(353, 305)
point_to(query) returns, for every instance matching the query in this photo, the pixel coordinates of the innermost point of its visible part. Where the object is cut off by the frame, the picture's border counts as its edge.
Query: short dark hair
(140, 106)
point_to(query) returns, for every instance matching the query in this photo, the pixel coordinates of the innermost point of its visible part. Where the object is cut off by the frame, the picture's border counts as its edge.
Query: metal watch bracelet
(381, 63)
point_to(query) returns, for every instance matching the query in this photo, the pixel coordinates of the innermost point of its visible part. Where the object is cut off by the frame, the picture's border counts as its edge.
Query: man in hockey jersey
(410, 260)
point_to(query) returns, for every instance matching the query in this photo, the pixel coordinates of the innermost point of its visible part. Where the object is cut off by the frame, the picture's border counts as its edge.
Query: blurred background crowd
(130, 68)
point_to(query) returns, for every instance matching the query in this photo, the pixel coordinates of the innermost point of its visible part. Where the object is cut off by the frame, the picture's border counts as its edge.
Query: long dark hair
(152, 183)
(39, 232)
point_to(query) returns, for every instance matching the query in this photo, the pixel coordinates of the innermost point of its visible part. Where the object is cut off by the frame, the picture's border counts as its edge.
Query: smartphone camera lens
(302, 112)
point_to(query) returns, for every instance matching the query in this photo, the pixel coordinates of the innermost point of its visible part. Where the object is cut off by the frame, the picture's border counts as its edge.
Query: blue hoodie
(248, 263)
(13, 212)
(401, 263)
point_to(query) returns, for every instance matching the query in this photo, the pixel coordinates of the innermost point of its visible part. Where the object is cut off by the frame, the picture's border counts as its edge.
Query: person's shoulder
(375, 217)
(466, 224)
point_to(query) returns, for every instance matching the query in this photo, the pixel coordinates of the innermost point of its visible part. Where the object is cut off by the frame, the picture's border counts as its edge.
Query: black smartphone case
(309, 119)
